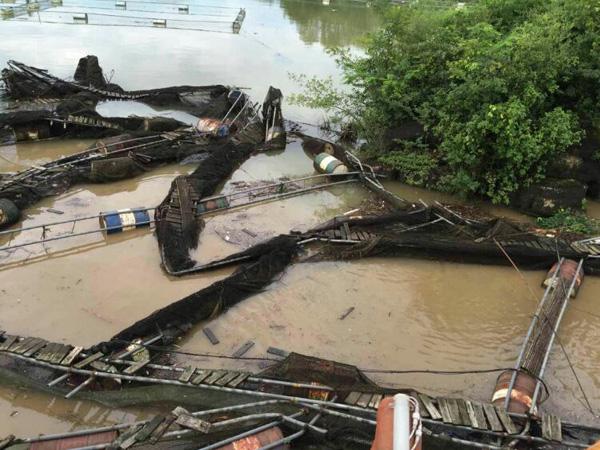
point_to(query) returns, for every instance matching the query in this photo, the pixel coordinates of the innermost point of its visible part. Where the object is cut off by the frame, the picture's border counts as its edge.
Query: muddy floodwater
(405, 313)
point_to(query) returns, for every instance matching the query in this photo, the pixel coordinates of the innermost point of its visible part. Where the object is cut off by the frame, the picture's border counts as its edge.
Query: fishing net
(424, 233)
(176, 237)
(177, 318)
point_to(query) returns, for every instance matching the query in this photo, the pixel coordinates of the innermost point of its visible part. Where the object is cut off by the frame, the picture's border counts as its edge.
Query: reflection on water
(338, 24)
(131, 108)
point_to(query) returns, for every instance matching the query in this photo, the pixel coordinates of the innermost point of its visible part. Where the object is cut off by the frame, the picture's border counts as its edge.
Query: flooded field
(406, 314)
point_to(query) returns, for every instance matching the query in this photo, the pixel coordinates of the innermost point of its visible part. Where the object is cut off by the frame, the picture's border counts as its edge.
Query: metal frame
(513, 379)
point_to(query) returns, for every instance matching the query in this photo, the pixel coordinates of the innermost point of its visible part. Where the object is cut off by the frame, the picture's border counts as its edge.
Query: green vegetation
(501, 88)
(570, 221)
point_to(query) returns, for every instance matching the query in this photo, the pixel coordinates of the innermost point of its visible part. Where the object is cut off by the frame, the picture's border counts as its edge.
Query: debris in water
(210, 335)
(243, 349)
(347, 313)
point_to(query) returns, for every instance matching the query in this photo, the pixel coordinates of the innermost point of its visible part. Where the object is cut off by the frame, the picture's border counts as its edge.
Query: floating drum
(213, 126)
(325, 163)
(105, 170)
(258, 440)
(520, 395)
(124, 220)
(113, 144)
(211, 205)
(9, 213)
(568, 270)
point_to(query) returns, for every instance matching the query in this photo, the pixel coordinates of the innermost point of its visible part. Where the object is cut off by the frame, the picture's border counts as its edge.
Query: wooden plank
(238, 380)
(278, 352)
(445, 410)
(492, 417)
(463, 412)
(186, 420)
(375, 401)
(507, 422)
(200, 376)
(422, 409)
(187, 374)
(476, 415)
(8, 341)
(213, 377)
(58, 355)
(343, 234)
(102, 366)
(229, 376)
(74, 353)
(551, 428)
(243, 349)
(185, 203)
(162, 428)
(454, 411)
(352, 398)
(20, 346)
(149, 428)
(96, 356)
(127, 439)
(45, 352)
(430, 407)
(37, 347)
(364, 399)
(135, 367)
(346, 230)
(210, 335)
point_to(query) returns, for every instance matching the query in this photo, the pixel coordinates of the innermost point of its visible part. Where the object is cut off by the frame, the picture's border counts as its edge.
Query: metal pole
(233, 106)
(57, 238)
(49, 437)
(272, 185)
(279, 196)
(80, 387)
(118, 376)
(61, 222)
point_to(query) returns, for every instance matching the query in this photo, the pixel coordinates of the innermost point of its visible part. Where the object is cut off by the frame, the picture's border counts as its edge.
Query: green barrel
(326, 163)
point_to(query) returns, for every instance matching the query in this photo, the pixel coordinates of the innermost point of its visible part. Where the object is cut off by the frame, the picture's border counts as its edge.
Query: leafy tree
(501, 87)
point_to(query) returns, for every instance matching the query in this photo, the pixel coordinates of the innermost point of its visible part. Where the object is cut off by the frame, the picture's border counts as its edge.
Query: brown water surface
(408, 314)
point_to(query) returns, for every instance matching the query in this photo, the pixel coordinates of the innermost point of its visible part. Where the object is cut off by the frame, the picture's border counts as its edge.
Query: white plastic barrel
(401, 422)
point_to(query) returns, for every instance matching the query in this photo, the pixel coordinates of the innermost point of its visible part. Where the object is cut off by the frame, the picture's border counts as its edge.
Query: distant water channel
(408, 314)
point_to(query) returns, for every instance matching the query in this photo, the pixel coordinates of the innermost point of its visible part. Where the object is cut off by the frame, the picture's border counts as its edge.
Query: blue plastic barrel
(124, 219)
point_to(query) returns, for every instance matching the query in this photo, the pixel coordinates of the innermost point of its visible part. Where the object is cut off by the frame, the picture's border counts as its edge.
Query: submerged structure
(297, 400)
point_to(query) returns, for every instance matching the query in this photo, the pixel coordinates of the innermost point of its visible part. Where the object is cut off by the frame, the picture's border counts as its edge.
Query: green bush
(570, 221)
(501, 86)
(413, 162)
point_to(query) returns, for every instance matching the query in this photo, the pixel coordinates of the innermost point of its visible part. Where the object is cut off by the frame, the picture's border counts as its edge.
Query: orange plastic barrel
(596, 446)
(113, 144)
(567, 273)
(521, 393)
(257, 441)
(384, 431)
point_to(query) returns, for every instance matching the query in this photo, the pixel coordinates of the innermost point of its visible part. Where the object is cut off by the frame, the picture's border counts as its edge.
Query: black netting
(250, 279)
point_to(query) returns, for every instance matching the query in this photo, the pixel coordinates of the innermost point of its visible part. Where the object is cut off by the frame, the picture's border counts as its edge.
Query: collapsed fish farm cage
(291, 399)
(194, 16)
